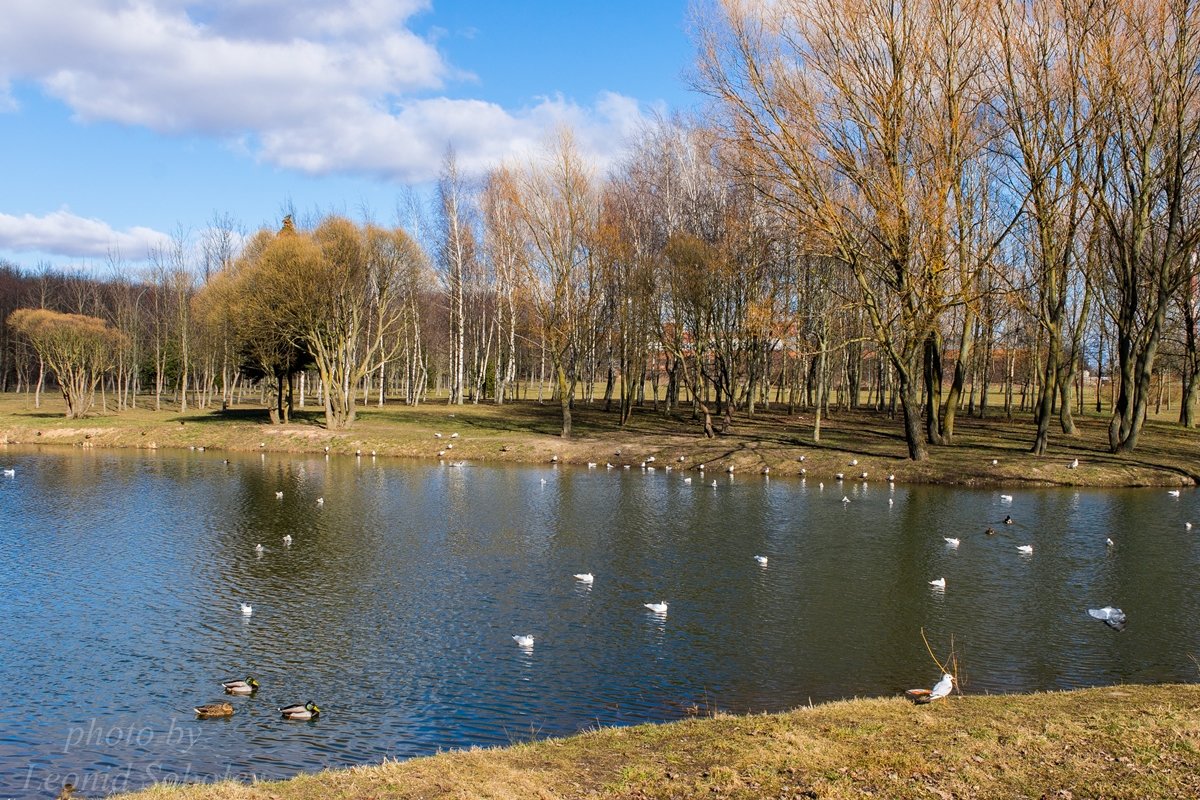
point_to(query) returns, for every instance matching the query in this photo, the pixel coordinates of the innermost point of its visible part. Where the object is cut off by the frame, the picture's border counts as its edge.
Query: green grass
(526, 432)
(1118, 742)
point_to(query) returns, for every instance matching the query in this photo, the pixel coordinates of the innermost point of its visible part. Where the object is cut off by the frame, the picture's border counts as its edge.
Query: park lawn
(527, 432)
(1115, 742)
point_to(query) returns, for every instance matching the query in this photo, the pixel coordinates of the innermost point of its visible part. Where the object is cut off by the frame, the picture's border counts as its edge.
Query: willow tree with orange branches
(77, 348)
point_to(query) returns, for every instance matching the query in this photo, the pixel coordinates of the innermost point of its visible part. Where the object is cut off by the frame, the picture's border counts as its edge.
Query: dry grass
(526, 432)
(1119, 742)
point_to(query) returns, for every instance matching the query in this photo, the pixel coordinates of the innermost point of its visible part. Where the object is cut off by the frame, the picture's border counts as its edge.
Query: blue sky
(123, 122)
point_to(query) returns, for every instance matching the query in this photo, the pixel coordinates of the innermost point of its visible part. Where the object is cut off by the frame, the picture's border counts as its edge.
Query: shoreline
(1116, 741)
(852, 443)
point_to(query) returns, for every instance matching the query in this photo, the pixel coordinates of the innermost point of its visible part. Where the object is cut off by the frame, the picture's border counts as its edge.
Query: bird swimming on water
(950, 540)
(301, 712)
(659, 608)
(1113, 617)
(762, 560)
(524, 641)
(247, 609)
(248, 686)
(938, 583)
(1025, 549)
(585, 577)
(214, 710)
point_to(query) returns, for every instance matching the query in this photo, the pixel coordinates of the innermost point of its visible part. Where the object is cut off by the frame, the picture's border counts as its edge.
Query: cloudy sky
(125, 121)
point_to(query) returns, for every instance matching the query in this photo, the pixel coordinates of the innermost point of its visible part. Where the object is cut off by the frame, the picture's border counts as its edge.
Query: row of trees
(903, 202)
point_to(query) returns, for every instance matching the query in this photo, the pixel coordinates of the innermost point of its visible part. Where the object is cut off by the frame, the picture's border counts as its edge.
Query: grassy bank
(526, 432)
(1119, 742)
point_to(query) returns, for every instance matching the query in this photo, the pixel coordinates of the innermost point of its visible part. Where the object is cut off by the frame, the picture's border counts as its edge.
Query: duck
(659, 608)
(248, 686)
(302, 712)
(990, 531)
(524, 640)
(1008, 520)
(214, 710)
(585, 577)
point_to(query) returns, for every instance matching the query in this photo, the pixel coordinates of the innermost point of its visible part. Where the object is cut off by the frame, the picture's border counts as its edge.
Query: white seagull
(454, 436)
(1025, 549)
(1187, 526)
(938, 583)
(1074, 464)
(524, 641)
(762, 560)
(279, 495)
(1108, 542)
(952, 541)
(585, 577)
(287, 540)
(942, 687)
(320, 501)
(1113, 617)
(659, 608)
(845, 499)
(11, 472)
(1006, 498)
(1171, 492)
(258, 548)
(687, 480)
(437, 436)
(247, 609)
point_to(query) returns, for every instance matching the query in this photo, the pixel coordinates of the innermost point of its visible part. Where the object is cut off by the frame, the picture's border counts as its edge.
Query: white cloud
(66, 234)
(309, 85)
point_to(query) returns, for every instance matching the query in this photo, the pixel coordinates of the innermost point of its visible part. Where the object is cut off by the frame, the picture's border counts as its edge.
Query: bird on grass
(1074, 464)
(248, 686)
(1113, 617)
(214, 710)
(301, 712)
(940, 689)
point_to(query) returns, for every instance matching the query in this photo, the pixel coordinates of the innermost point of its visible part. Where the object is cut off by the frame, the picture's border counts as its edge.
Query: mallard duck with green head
(213, 710)
(248, 686)
(307, 711)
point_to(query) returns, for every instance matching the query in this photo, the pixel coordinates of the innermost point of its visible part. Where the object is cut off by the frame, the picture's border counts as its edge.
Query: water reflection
(395, 604)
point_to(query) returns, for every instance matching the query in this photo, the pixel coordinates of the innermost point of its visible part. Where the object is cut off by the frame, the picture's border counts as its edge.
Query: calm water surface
(395, 606)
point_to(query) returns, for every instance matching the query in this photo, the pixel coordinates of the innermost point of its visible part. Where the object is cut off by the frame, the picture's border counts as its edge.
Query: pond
(396, 603)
